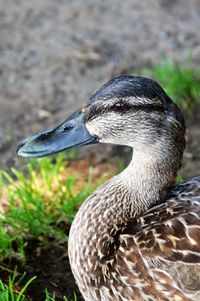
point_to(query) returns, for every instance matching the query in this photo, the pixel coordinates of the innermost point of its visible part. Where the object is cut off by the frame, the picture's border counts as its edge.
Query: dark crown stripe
(99, 110)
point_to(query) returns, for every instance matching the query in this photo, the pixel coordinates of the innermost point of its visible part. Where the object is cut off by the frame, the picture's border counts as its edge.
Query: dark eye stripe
(97, 111)
(147, 108)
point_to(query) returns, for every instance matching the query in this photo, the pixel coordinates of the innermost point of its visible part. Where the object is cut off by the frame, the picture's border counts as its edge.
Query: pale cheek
(100, 127)
(94, 128)
(105, 136)
(109, 131)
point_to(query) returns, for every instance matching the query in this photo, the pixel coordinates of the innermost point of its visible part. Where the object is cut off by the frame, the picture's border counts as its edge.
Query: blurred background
(54, 54)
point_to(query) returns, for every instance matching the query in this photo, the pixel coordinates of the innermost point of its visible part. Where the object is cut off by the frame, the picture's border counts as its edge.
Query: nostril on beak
(43, 136)
(68, 127)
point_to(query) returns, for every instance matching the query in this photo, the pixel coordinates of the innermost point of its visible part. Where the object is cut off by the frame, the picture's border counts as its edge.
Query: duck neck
(148, 176)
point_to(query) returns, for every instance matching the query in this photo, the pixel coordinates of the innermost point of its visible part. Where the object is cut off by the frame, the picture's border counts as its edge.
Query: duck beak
(71, 133)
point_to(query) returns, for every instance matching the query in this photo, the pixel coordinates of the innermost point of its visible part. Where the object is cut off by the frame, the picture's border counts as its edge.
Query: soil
(54, 54)
(51, 266)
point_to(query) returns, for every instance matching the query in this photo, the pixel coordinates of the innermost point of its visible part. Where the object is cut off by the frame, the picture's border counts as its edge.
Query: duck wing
(168, 235)
(172, 229)
(157, 256)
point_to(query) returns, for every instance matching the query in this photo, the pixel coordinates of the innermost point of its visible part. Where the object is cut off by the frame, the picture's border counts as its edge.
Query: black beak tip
(19, 150)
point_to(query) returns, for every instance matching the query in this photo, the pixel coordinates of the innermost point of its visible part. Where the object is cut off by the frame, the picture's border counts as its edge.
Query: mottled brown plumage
(137, 237)
(139, 243)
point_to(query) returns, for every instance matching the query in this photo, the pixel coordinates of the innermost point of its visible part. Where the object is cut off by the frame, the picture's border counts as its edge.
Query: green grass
(15, 290)
(40, 202)
(52, 298)
(181, 83)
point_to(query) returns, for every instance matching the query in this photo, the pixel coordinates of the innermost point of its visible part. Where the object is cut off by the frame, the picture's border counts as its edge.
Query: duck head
(128, 110)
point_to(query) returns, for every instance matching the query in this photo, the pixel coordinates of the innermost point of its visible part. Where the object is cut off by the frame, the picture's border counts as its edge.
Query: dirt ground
(51, 266)
(54, 54)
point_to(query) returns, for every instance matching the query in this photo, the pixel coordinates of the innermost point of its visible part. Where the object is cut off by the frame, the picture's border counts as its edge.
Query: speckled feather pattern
(137, 236)
(134, 260)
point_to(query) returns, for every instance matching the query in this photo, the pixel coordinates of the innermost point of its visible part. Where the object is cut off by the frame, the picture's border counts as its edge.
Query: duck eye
(120, 106)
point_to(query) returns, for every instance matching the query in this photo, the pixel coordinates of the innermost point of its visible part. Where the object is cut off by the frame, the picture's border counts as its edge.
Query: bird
(137, 237)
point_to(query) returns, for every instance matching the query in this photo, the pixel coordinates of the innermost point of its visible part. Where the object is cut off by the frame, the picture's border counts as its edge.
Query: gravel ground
(54, 54)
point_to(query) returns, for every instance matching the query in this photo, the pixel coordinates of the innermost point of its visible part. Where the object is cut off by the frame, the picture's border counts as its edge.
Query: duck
(137, 237)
